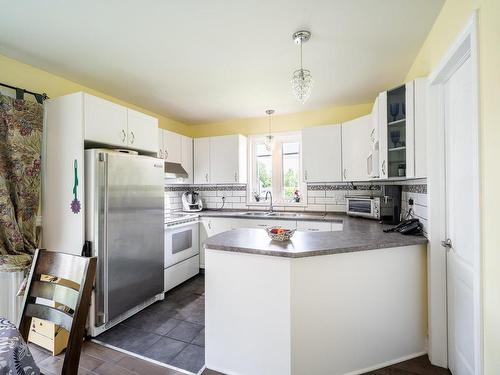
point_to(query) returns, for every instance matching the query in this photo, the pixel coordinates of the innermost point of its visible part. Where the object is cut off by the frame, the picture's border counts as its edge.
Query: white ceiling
(208, 60)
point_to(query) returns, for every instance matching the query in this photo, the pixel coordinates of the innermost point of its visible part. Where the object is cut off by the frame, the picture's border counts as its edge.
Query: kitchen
(324, 228)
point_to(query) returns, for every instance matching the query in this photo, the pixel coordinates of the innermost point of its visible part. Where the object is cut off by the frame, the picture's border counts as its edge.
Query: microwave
(369, 207)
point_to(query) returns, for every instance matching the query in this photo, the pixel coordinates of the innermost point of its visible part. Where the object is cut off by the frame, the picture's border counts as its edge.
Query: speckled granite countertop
(301, 216)
(357, 235)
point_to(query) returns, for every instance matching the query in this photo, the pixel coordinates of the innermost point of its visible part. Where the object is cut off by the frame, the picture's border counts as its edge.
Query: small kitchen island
(324, 303)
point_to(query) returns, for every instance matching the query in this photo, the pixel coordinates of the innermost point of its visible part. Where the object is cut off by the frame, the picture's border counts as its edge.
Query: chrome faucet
(271, 203)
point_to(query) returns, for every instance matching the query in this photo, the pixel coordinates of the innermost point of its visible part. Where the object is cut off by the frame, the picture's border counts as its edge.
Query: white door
(142, 131)
(172, 144)
(322, 153)
(356, 147)
(201, 160)
(105, 122)
(224, 159)
(461, 222)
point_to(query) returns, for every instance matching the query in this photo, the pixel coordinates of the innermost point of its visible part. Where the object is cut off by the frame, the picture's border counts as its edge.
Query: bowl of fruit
(280, 234)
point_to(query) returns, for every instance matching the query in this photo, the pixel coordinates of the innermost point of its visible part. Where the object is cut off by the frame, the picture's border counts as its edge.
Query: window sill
(278, 204)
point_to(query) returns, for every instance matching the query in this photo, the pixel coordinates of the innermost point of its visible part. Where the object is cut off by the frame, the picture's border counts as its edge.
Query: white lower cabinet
(314, 226)
(264, 223)
(210, 226)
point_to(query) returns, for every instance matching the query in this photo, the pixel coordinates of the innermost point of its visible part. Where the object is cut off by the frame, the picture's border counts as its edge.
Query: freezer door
(134, 231)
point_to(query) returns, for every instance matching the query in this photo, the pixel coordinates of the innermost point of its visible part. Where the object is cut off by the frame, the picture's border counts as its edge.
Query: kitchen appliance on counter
(124, 226)
(191, 202)
(386, 208)
(182, 252)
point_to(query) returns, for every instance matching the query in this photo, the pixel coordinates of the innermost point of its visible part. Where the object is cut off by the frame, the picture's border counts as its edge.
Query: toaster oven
(369, 207)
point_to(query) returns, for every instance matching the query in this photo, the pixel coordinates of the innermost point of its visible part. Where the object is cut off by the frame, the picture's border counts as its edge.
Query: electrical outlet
(411, 202)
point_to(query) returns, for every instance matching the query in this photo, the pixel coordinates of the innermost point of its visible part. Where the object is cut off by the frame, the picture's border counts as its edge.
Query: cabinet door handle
(262, 225)
(383, 167)
(160, 154)
(124, 136)
(209, 225)
(206, 177)
(313, 230)
(305, 175)
(166, 154)
(345, 173)
(235, 177)
(371, 135)
(133, 137)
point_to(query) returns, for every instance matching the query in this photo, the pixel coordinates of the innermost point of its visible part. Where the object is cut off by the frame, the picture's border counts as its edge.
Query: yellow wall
(17, 74)
(449, 24)
(280, 123)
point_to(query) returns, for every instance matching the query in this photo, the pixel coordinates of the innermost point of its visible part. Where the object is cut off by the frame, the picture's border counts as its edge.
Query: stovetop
(177, 217)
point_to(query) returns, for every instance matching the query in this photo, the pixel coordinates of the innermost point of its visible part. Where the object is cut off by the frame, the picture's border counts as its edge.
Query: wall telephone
(410, 226)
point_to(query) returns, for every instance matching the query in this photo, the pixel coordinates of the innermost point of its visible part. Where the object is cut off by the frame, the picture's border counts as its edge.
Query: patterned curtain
(21, 126)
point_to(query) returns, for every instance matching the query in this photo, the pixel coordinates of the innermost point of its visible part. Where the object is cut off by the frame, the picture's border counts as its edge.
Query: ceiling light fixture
(302, 80)
(269, 138)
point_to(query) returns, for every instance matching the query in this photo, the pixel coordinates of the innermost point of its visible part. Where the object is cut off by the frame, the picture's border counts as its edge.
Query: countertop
(357, 235)
(302, 216)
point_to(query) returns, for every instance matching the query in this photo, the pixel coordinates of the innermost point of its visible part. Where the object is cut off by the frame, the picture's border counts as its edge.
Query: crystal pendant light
(269, 142)
(302, 80)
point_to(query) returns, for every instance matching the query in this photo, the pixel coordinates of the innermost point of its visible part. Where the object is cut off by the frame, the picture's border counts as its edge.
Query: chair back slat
(62, 265)
(65, 280)
(51, 314)
(55, 292)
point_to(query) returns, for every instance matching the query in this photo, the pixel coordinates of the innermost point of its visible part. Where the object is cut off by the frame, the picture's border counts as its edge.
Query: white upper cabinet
(356, 147)
(372, 161)
(142, 131)
(228, 160)
(201, 160)
(105, 122)
(402, 131)
(172, 147)
(220, 160)
(420, 105)
(322, 153)
(187, 158)
(112, 124)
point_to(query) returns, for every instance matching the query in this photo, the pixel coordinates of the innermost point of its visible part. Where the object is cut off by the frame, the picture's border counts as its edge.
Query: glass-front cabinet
(398, 131)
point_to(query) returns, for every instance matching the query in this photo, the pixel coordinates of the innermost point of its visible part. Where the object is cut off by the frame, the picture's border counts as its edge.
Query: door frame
(466, 46)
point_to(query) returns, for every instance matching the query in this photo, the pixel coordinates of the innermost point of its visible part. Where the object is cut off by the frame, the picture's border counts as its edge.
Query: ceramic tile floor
(170, 331)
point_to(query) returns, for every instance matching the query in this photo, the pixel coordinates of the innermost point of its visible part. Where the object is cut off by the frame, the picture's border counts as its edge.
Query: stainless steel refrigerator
(125, 230)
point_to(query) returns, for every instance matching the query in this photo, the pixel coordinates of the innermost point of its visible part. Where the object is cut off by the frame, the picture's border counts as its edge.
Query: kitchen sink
(283, 214)
(271, 214)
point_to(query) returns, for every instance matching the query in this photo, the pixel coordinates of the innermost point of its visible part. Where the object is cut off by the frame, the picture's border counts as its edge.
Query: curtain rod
(20, 93)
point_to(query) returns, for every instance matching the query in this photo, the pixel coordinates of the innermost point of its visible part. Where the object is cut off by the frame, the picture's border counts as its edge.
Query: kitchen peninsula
(337, 302)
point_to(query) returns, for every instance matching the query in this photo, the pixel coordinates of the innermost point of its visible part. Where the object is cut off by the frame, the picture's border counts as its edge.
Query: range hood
(175, 170)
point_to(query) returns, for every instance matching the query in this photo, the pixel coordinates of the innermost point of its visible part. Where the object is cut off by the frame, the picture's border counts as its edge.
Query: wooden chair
(66, 280)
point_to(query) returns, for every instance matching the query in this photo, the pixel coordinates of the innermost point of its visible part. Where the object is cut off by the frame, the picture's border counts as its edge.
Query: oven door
(181, 242)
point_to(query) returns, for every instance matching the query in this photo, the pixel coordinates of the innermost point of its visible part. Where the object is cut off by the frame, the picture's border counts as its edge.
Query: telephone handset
(411, 226)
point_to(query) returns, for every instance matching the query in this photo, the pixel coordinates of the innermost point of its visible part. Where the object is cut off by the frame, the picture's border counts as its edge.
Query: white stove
(182, 251)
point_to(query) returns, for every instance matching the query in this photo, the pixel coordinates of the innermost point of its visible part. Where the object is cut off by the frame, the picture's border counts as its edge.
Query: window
(276, 170)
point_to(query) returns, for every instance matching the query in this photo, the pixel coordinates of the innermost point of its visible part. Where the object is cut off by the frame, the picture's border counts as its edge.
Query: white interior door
(462, 227)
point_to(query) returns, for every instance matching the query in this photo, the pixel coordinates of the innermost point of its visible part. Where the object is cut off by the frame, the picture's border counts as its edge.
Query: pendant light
(269, 142)
(302, 80)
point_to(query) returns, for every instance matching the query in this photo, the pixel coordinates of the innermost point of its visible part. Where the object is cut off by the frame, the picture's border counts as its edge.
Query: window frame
(277, 186)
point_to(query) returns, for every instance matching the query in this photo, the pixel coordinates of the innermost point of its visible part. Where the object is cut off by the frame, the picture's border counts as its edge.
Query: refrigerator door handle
(101, 219)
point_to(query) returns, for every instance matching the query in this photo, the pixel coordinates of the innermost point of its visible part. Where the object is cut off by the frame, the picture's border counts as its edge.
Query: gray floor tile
(192, 358)
(185, 331)
(129, 338)
(200, 339)
(165, 349)
(152, 322)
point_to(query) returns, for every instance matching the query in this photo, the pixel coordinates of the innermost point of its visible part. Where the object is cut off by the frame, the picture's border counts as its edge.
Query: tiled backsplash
(320, 197)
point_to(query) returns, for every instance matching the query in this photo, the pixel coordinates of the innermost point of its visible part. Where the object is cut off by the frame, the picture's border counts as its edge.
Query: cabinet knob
(132, 137)
(124, 135)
